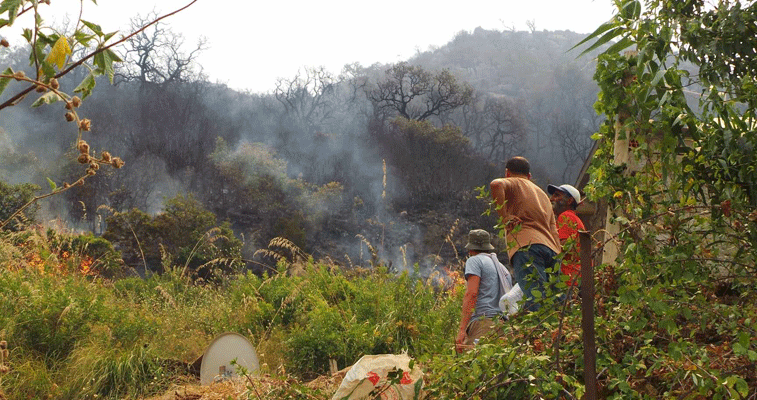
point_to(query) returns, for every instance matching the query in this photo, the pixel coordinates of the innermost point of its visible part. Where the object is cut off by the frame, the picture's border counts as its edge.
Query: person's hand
(459, 340)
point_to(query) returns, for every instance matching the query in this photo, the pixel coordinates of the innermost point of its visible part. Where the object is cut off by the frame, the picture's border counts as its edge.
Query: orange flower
(86, 265)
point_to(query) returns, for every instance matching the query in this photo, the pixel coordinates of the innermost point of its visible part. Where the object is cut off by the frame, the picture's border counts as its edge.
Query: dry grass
(283, 250)
(255, 387)
(371, 249)
(448, 238)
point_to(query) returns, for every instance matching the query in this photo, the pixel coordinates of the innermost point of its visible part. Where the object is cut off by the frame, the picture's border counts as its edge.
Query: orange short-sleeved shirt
(528, 206)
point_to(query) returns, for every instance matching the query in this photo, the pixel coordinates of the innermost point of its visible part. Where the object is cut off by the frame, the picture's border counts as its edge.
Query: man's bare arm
(497, 187)
(469, 303)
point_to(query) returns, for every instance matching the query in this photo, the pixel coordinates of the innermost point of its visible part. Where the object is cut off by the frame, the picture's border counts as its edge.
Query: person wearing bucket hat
(565, 199)
(526, 214)
(480, 310)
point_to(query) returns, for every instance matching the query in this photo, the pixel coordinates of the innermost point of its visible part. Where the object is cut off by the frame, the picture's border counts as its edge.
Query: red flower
(373, 377)
(406, 380)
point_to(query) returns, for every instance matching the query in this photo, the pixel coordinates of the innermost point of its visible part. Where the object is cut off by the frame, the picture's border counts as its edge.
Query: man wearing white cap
(565, 199)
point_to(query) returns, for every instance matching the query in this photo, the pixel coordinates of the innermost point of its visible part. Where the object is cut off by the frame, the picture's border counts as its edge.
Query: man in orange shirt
(526, 214)
(565, 199)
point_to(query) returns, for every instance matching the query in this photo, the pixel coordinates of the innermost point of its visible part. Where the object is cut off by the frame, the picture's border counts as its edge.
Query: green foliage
(12, 198)
(49, 318)
(343, 319)
(684, 198)
(52, 52)
(128, 230)
(97, 254)
(186, 232)
(675, 313)
(523, 363)
(70, 336)
(126, 372)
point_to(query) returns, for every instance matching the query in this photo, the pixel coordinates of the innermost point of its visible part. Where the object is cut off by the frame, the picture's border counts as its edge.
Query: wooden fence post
(587, 316)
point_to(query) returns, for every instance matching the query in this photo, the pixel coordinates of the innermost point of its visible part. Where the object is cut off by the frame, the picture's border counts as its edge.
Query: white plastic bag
(370, 377)
(509, 302)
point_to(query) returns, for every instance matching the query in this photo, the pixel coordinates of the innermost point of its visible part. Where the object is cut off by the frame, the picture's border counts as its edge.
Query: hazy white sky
(252, 43)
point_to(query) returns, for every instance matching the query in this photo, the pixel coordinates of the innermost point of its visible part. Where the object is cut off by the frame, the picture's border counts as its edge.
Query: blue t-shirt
(487, 304)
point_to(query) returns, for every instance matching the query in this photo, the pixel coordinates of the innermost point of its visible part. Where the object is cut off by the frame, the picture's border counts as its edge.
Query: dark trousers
(532, 268)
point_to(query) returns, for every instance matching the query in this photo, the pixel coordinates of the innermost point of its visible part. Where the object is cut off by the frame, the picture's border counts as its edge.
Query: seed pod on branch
(105, 156)
(40, 89)
(83, 147)
(83, 158)
(19, 75)
(117, 162)
(4, 43)
(54, 84)
(70, 116)
(90, 171)
(76, 101)
(85, 124)
(94, 165)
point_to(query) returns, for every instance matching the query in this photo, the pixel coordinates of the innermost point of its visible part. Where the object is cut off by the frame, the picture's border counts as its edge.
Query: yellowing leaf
(60, 51)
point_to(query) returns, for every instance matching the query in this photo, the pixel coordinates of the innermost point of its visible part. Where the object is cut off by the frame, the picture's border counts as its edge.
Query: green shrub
(115, 373)
(12, 198)
(319, 335)
(342, 319)
(51, 317)
(185, 232)
(86, 253)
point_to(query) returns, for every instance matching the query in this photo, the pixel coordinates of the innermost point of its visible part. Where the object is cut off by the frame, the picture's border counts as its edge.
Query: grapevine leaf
(107, 36)
(104, 61)
(46, 69)
(12, 7)
(5, 81)
(93, 27)
(47, 98)
(83, 38)
(86, 86)
(113, 56)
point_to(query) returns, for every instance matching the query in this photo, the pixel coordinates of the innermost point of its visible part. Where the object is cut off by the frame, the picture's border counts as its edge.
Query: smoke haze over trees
(389, 152)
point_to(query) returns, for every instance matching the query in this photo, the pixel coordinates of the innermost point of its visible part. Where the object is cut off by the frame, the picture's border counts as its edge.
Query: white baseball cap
(567, 189)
